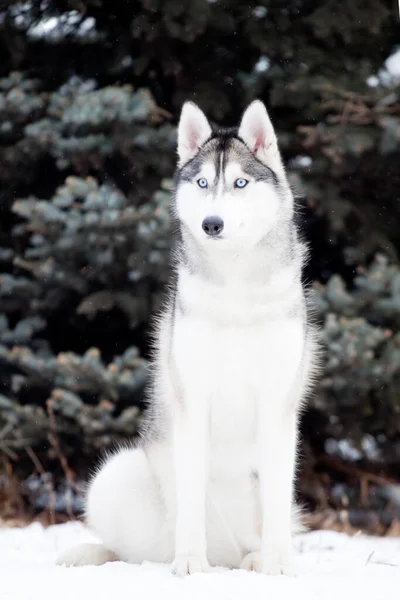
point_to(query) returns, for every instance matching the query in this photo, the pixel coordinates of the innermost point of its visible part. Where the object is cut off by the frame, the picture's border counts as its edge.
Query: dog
(211, 481)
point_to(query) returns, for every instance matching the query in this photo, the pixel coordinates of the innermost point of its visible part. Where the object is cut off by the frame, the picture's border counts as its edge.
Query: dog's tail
(86, 554)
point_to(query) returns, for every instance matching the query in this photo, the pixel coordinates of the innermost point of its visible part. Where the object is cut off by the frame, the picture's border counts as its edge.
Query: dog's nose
(213, 225)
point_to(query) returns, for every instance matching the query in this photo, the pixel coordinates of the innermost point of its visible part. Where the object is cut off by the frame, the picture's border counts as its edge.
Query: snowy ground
(331, 566)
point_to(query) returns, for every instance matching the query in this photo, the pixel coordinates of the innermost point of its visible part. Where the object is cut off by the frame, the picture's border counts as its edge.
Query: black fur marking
(228, 143)
(188, 172)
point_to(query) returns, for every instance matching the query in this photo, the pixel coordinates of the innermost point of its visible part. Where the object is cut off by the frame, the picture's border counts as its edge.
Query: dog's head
(231, 187)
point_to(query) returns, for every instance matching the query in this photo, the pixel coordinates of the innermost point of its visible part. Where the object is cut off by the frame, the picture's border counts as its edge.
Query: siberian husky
(211, 481)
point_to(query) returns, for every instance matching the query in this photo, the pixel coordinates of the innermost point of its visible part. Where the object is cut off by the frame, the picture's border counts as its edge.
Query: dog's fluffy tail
(86, 554)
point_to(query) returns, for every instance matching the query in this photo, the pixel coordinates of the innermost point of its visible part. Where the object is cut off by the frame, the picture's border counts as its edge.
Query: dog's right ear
(193, 131)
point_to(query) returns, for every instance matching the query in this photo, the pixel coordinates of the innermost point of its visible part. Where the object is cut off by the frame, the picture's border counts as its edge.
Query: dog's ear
(257, 132)
(193, 131)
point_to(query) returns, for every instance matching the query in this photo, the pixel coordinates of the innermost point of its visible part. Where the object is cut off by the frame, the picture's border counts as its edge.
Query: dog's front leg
(277, 444)
(191, 466)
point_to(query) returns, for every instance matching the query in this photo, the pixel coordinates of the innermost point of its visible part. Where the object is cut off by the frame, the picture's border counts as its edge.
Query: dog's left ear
(257, 132)
(193, 131)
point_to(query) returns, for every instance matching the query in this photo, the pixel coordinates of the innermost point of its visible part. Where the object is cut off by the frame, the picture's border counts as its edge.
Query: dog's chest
(225, 344)
(230, 365)
(233, 389)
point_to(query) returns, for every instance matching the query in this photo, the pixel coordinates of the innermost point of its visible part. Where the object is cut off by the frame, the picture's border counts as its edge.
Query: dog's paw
(187, 565)
(279, 566)
(252, 562)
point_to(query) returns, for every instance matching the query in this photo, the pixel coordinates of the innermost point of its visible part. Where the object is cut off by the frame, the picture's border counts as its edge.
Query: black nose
(213, 225)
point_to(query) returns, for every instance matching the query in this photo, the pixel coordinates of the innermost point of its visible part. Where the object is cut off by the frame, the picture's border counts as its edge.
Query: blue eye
(203, 183)
(241, 183)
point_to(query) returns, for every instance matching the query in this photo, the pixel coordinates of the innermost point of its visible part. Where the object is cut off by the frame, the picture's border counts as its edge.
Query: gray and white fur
(212, 480)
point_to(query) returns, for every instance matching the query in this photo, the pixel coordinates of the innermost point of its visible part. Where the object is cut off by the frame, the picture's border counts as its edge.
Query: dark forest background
(90, 94)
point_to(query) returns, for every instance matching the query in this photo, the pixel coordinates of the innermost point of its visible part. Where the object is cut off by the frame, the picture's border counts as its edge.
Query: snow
(301, 161)
(260, 12)
(70, 23)
(389, 74)
(392, 64)
(262, 65)
(330, 566)
(373, 81)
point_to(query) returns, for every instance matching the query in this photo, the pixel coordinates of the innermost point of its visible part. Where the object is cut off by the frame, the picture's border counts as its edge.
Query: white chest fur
(224, 340)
